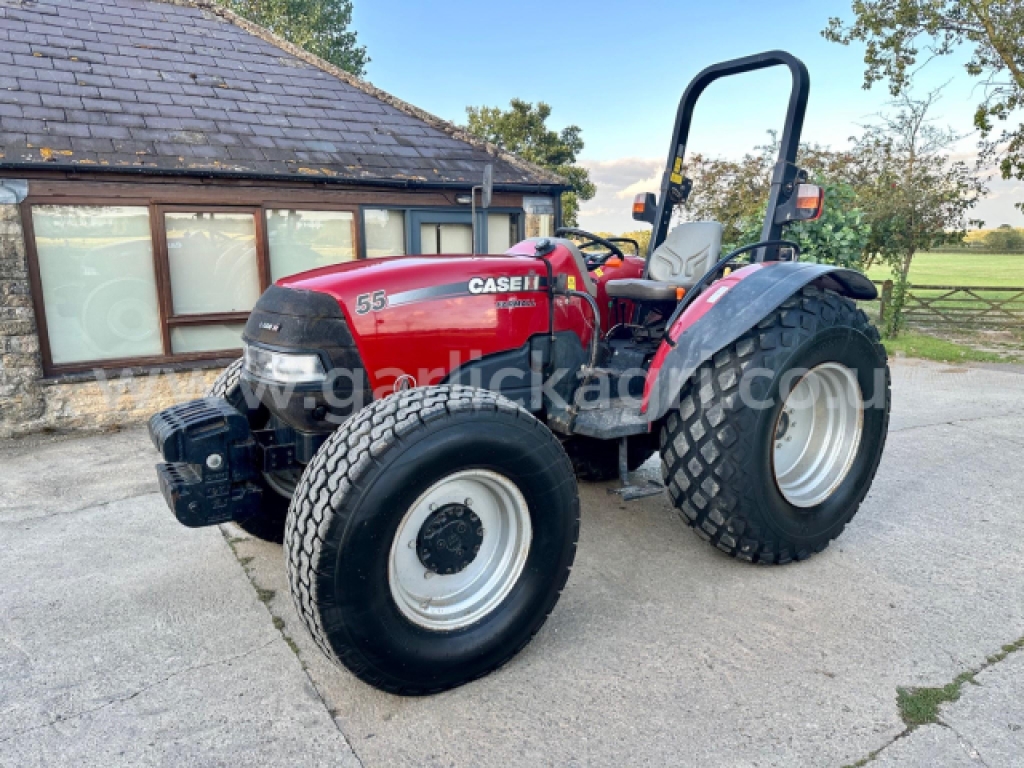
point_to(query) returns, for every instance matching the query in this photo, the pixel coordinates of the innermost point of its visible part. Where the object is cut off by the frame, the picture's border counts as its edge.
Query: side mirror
(645, 207)
(487, 192)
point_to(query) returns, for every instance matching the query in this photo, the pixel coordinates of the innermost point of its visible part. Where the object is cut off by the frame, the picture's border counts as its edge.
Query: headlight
(280, 367)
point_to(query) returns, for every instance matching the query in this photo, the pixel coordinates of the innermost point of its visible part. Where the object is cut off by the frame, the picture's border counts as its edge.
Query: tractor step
(617, 418)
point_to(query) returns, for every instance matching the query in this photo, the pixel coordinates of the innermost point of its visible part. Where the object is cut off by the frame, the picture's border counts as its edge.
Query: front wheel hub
(459, 550)
(450, 539)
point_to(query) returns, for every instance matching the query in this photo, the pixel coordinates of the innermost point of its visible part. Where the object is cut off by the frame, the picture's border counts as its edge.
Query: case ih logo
(504, 284)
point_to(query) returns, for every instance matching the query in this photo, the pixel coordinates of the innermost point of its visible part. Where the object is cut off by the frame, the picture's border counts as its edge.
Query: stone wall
(20, 364)
(28, 403)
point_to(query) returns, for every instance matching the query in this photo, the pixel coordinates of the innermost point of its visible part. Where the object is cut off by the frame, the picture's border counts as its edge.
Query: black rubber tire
(268, 523)
(355, 493)
(595, 461)
(717, 452)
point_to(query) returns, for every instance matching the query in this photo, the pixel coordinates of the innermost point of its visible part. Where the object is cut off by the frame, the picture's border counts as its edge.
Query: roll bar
(675, 188)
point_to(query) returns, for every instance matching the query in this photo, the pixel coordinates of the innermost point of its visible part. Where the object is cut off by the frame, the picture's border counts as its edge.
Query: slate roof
(182, 86)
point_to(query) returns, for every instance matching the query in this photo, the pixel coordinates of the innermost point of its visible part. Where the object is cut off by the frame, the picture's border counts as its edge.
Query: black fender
(751, 295)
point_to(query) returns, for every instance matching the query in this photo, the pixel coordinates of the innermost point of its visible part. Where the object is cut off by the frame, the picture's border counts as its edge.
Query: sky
(618, 69)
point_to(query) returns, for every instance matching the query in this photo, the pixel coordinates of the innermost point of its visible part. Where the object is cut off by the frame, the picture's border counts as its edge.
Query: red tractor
(413, 428)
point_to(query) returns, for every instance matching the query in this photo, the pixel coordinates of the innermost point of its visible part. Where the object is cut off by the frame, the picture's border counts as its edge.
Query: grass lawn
(912, 344)
(962, 269)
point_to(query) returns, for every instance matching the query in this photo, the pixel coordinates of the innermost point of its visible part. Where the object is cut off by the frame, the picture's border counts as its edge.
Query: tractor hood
(409, 318)
(403, 280)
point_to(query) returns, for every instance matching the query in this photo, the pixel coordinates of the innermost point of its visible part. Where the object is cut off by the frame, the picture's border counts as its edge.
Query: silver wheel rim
(445, 602)
(817, 434)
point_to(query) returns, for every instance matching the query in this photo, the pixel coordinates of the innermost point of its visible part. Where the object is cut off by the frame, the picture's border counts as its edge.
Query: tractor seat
(641, 290)
(690, 250)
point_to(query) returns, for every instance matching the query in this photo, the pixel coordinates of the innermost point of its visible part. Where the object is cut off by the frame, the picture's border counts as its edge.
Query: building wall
(20, 363)
(33, 398)
(29, 404)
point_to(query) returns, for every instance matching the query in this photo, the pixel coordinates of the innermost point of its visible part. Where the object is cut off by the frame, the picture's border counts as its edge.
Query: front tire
(431, 536)
(778, 437)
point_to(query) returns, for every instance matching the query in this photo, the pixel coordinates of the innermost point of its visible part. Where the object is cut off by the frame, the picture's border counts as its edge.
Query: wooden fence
(975, 306)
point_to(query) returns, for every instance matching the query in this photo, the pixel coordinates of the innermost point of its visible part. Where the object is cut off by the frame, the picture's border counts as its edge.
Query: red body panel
(615, 311)
(700, 307)
(433, 322)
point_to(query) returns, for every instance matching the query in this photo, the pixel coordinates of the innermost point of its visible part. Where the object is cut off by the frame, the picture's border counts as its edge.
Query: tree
(642, 237)
(896, 30)
(839, 236)
(918, 198)
(1005, 239)
(522, 130)
(735, 193)
(319, 26)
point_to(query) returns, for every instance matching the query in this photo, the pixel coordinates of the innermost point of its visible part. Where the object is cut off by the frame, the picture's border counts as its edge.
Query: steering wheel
(593, 260)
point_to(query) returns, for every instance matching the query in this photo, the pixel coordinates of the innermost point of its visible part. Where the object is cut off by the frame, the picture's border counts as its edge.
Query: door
(441, 232)
(434, 232)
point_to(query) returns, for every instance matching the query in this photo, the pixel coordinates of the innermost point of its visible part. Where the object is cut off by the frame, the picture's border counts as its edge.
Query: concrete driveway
(126, 639)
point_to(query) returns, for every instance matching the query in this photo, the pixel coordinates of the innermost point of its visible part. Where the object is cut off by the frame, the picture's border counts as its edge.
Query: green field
(962, 269)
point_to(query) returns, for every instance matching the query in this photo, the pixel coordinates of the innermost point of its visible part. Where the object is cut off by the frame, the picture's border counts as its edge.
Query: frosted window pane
(304, 240)
(445, 238)
(540, 225)
(500, 234)
(428, 239)
(385, 233)
(456, 238)
(96, 267)
(540, 216)
(212, 259)
(206, 338)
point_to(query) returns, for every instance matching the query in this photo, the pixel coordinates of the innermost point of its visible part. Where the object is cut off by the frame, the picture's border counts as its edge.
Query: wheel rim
(817, 434)
(443, 601)
(283, 481)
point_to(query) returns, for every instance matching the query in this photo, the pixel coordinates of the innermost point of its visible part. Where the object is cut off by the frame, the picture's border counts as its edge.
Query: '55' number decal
(371, 302)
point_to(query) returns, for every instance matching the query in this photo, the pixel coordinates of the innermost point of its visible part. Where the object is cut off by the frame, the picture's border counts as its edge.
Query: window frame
(161, 269)
(410, 213)
(357, 231)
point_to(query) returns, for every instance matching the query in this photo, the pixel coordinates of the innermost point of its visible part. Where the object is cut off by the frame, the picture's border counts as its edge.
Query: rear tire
(727, 464)
(361, 533)
(268, 523)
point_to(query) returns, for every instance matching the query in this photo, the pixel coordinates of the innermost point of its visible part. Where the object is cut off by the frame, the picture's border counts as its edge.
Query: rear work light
(283, 368)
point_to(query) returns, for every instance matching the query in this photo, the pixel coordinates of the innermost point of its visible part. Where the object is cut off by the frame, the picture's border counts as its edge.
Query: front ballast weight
(213, 462)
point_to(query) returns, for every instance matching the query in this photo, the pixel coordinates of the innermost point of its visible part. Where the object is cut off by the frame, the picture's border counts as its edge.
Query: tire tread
(339, 468)
(707, 447)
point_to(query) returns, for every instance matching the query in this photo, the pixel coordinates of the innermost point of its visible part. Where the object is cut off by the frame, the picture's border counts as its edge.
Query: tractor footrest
(617, 419)
(197, 502)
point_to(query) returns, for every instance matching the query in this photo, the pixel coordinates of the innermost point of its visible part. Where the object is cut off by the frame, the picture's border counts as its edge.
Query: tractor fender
(725, 311)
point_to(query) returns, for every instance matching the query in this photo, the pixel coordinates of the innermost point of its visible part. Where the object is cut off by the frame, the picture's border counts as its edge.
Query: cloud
(617, 182)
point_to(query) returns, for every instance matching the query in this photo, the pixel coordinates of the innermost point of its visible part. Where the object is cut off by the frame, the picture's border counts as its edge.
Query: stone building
(161, 163)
